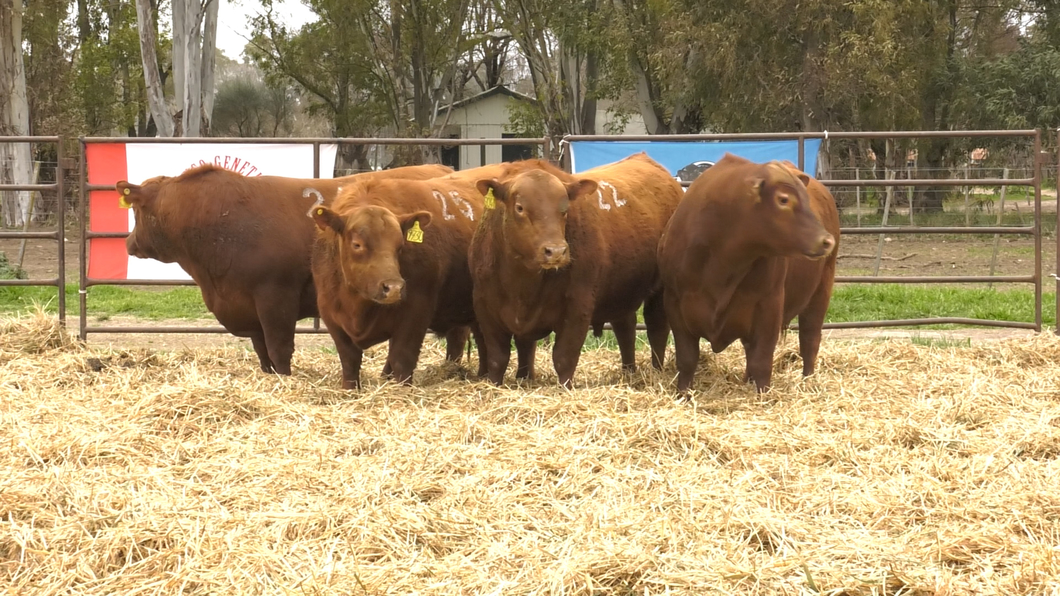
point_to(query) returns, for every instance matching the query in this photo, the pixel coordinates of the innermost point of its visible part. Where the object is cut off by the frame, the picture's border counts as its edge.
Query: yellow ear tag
(415, 233)
(490, 201)
(320, 211)
(121, 199)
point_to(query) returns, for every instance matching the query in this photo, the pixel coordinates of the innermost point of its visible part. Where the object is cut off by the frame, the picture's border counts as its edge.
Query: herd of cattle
(511, 251)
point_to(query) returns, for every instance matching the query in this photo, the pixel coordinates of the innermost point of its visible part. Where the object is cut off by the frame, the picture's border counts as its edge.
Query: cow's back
(626, 216)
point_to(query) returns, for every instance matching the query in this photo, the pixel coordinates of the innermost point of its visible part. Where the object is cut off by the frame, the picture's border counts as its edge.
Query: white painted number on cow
(461, 205)
(308, 192)
(601, 185)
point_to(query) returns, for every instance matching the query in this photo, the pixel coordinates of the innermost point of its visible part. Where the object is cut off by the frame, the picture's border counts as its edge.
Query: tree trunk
(179, 39)
(155, 98)
(209, 60)
(16, 158)
(192, 120)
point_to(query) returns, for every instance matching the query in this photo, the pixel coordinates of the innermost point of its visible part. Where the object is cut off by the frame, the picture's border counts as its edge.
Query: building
(486, 116)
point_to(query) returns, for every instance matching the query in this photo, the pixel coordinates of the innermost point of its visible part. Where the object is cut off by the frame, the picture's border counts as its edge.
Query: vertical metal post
(482, 154)
(82, 290)
(1056, 233)
(61, 217)
(546, 148)
(316, 174)
(1038, 231)
(802, 153)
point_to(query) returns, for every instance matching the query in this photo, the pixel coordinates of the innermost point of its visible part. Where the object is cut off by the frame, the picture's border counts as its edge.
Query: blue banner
(686, 160)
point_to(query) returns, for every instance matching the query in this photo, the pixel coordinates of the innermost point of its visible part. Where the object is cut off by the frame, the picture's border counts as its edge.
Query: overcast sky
(233, 21)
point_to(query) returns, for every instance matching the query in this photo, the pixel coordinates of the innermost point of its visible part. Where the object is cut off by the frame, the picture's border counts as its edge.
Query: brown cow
(390, 263)
(563, 253)
(744, 254)
(245, 241)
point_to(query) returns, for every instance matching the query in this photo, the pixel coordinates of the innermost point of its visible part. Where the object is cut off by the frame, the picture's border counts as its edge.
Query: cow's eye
(519, 208)
(357, 246)
(784, 200)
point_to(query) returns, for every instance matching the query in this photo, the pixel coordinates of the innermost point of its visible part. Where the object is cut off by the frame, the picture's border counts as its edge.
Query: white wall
(484, 119)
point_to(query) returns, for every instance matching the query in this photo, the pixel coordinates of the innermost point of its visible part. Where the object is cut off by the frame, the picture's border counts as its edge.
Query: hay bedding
(899, 469)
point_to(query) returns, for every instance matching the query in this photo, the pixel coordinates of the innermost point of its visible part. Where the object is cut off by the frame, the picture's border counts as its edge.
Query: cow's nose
(555, 252)
(390, 291)
(827, 244)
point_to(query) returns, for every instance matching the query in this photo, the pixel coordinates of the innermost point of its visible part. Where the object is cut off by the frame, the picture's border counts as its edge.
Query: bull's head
(149, 238)
(370, 242)
(785, 223)
(535, 205)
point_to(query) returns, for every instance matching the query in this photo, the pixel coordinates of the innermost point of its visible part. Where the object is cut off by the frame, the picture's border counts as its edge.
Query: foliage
(8, 270)
(245, 107)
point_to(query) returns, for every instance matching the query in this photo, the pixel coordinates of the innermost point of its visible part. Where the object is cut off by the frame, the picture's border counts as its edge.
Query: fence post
(82, 289)
(857, 193)
(967, 189)
(997, 237)
(60, 192)
(886, 210)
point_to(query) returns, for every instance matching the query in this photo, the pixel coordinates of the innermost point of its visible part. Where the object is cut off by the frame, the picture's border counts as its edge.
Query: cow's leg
(525, 349)
(257, 339)
(570, 338)
(625, 330)
(811, 320)
(498, 344)
(278, 313)
(407, 339)
(480, 344)
(456, 342)
(759, 348)
(658, 328)
(350, 357)
(686, 345)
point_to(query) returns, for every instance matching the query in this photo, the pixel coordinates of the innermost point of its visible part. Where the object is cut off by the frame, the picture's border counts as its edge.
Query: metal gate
(58, 282)
(1035, 230)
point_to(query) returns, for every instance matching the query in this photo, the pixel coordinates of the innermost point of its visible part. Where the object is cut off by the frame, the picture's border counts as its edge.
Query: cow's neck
(727, 265)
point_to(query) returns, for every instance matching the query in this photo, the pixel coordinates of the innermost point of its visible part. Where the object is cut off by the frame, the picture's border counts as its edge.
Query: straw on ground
(898, 469)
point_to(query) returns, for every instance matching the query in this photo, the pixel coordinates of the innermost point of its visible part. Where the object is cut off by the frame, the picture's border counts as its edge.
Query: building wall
(483, 119)
(487, 118)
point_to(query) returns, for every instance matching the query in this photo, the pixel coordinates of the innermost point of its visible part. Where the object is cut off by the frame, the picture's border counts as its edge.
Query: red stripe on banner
(108, 258)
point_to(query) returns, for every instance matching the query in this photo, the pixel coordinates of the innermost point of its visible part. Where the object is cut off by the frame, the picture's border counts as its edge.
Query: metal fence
(1031, 177)
(58, 282)
(1035, 230)
(86, 234)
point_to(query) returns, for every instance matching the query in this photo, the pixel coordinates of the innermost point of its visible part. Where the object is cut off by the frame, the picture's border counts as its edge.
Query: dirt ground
(901, 255)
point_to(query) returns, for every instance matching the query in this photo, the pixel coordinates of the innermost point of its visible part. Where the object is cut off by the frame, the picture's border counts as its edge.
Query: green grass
(874, 302)
(949, 218)
(851, 302)
(108, 301)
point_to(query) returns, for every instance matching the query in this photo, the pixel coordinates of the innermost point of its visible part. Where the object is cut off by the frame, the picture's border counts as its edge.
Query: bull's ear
(487, 185)
(407, 221)
(803, 176)
(326, 219)
(756, 183)
(129, 194)
(580, 188)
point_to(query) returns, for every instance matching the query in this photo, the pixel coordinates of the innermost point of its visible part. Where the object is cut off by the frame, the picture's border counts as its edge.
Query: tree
(16, 160)
(248, 108)
(194, 43)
